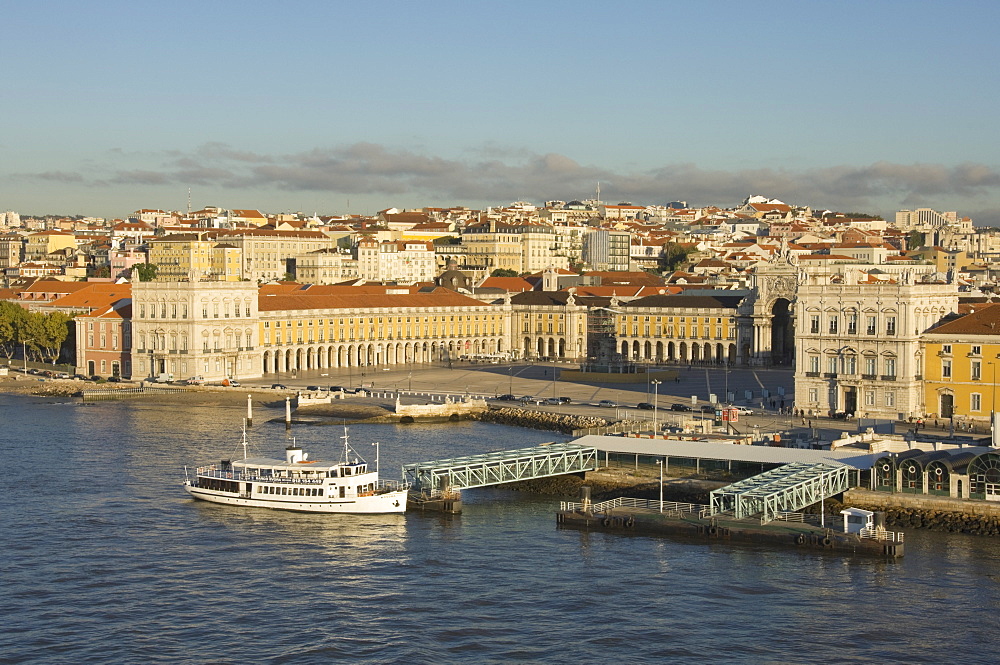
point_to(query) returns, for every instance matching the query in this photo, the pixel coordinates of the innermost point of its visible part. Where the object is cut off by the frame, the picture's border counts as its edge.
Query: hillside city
(890, 319)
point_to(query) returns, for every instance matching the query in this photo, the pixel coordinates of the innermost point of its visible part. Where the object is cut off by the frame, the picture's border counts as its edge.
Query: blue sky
(331, 106)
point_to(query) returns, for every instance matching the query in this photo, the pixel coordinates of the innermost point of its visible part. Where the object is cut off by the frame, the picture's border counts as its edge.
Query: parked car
(565, 400)
(707, 408)
(336, 389)
(507, 398)
(196, 380)
(231, 383)
(62, 375)
(531, 399)
(278, 386)
(645, 406)
(553, 401)
(314, 389)
(680, 407)
(607, 403)
(742, 410)
(114, 379)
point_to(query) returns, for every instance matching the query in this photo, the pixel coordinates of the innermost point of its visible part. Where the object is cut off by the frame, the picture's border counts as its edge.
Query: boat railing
(210, 472)
(386, 486)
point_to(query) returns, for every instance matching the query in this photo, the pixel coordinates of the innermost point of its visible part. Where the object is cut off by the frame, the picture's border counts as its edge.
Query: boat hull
(389, 502)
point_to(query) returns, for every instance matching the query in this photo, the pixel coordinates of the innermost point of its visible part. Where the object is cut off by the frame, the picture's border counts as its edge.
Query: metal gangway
(788, 488)
(505, 466)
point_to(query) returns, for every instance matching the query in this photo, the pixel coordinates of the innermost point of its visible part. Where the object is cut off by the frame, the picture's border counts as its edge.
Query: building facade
(858, 338)
(207, 328)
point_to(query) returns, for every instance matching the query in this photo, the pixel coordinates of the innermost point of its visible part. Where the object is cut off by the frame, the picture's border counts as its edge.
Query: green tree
(10, 315)
(503, 272)
(144, 272)
(55, 330)
(914, 240)
(674, 256)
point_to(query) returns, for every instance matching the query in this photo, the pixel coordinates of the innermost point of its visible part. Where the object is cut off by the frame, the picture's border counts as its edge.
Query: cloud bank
(371, 169)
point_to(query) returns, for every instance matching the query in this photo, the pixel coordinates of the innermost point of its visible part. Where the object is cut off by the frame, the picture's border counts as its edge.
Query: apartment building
(403, 261)
(960, 366)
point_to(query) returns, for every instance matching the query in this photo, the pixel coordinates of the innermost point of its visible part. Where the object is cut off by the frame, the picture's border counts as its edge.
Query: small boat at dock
(298, 483)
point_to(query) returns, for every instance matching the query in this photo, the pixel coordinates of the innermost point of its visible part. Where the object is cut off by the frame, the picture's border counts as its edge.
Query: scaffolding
(788, 488)
(506, 466)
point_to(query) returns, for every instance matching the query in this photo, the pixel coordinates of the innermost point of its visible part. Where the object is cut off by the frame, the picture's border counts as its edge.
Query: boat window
(320, 492)
(343, 492)
(347, 470)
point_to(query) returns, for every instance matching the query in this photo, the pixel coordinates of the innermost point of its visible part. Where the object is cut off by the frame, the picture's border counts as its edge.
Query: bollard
(249, 411)
(288, 413)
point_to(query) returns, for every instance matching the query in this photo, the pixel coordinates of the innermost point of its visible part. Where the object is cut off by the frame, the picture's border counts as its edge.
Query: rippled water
(106, 560)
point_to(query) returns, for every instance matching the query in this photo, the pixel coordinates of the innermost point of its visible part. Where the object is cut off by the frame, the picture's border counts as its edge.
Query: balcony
(869, 377)
(829, 375)
(888, 377)
(812, 375)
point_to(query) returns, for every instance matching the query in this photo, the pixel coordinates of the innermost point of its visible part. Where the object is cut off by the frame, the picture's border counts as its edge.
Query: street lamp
(656, 393)
(375, 443)
(510, 372)
(24, 352)
(659, 463)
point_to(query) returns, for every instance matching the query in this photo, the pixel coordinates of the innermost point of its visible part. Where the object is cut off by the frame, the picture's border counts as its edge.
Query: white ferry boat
(298, 483)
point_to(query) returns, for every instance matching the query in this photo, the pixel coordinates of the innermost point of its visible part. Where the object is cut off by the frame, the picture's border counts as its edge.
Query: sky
(346, 107)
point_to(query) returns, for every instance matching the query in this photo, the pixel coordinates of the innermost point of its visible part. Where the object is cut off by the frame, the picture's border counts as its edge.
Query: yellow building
(182, 256)
(316, 327)
(961, 359)
(40, 245)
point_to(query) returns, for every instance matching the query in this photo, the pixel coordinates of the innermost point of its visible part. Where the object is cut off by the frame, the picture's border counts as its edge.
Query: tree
(503, 272)
(914, 239)
(674, 256)
(144, 272)
(55, 330)
(10, 315)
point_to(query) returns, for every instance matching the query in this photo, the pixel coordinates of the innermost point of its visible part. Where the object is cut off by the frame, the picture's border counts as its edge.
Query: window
(852, 324)
(870, 366)
(814, 364)
(890, 367)
(890, 398)
(977, 370)
(946, 369)
(813, 395)
(814, 323)
(976, 403)
(834, 324)
(870, 325)
(946, 348)
(850, 365)
(869, 398)
(831, 365)
(890, 325)
(977, 350)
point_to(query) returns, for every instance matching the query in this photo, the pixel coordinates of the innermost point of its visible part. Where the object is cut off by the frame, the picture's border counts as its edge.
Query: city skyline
(340, 108)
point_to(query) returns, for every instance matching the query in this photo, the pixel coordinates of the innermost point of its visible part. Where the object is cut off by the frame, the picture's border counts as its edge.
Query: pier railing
(882, 534)
(629, 502)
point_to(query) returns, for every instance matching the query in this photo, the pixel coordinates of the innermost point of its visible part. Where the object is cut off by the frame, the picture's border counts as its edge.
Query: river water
(106, 560)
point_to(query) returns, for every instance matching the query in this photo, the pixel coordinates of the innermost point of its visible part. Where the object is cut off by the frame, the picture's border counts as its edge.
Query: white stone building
(184, 329)
(857, 338)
